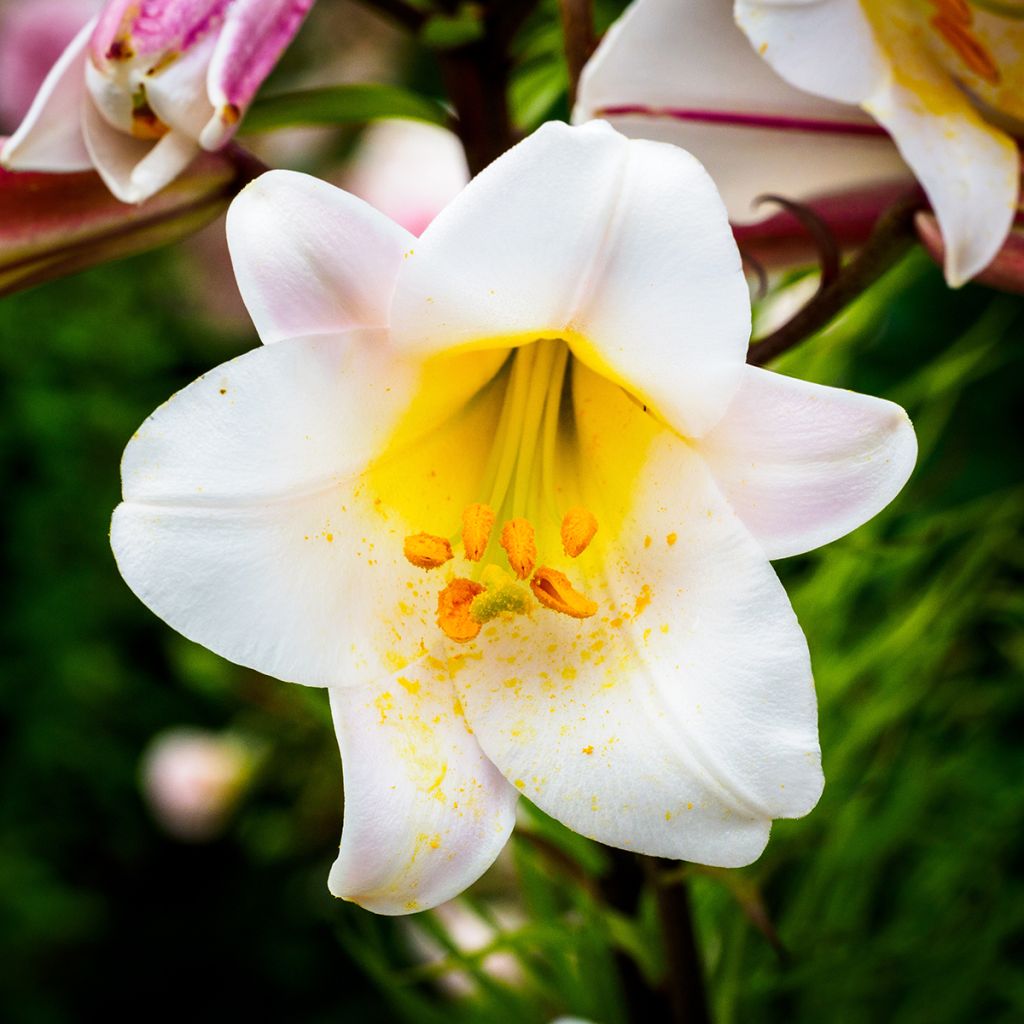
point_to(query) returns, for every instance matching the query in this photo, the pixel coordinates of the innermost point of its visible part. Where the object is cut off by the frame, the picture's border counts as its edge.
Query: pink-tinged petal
(311, 259)
(681, 71)
(134, 169)
(56, 224)
(621, 247)
(177, 93)
(255, 34)
(50, 137)
(130, 28)
(425, 812)
(802, 464)
(1005, 272)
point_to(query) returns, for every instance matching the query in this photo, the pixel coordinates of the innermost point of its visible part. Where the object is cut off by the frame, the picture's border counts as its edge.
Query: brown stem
(477, 78)
(578, 30)
(890, 241)
(685, 974)
(405, 14)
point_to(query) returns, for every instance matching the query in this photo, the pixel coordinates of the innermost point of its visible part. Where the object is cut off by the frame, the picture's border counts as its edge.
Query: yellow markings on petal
(553, 589)
(643, 599)
(589, 748)
(578, 528)
(426, 551)
(671, 539)
(453, 610)
(519, 542)
(477, 523)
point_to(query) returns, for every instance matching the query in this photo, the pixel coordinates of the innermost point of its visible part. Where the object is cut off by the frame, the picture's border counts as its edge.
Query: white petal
(802, 464)
(311, 259)
(826, 47)
(623, 248)
(425, 812)
(969, 170)
(246, 524)
(177, 93)
(134, 169)
(681, 71)
(50, 137)
(681, 718)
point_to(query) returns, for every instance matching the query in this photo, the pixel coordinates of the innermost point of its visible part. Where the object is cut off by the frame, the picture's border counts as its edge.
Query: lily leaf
(341, 104)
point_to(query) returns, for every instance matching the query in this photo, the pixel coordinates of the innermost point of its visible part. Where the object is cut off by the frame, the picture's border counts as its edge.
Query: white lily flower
(562, 349)
(944, 79)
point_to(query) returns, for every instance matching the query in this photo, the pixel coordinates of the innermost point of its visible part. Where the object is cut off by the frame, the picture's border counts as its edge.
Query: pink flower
(146, 85)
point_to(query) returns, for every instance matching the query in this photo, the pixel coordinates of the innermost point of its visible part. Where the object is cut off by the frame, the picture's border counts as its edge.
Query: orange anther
(578, 528)
(518, 541)
(553, 589)
(954, 10)
(477, 521)
(453, 605)
(426, 551)
(969, 48)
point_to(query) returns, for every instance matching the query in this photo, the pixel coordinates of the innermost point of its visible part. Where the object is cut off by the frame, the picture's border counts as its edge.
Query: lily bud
(57, 224)
(145, 86)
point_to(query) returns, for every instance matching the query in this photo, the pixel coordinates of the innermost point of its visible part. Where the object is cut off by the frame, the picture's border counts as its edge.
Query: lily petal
(311, 259)
(134, 169)
(681, 718)
(245, 524)
(969, 169)
(622, 248)
(50, 137)
(153, 27)
(681, 71)
(802, 464)
(255, 34)
(177, 93)
(425, 812)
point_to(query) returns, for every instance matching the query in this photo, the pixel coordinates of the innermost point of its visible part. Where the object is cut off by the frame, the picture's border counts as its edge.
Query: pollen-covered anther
(453, 610)
(517, 538)
(578, 528)
(969, 48)
(426, 551)
(477, 522)
(553, 589)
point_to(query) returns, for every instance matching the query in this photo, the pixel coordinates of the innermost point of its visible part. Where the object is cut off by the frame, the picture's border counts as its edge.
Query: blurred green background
(899, 898)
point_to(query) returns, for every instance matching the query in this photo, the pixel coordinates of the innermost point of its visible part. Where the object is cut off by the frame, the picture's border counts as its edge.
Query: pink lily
(147, 85)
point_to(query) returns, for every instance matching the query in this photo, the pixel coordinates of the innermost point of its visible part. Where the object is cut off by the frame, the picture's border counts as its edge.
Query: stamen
(578, 528)
(553, 589)
(453, 610)
(517, 539)
(954, 10)
(477, 521)
(969, 48)
(426, 551)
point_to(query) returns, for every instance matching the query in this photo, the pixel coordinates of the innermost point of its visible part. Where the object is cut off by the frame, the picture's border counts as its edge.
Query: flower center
(953, 20)
(518, 490)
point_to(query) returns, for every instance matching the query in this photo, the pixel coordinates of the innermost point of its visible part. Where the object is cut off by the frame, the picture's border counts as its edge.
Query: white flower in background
(545, 398)
(409, 170)
(944, 79)
(146, 85)
(192, 780)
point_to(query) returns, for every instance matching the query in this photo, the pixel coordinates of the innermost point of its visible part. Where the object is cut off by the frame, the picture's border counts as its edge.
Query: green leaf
(341, 104)
(448, 31)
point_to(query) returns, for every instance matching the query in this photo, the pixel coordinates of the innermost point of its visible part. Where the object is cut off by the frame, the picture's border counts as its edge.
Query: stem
(685, 974)
(679, 998)
(890, 241)
(578, 30)
(477, 78)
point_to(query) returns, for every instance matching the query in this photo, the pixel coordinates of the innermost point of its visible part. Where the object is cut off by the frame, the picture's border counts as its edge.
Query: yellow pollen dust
(517, 538)
(477, 522)
(553, 589)
(426, 551)
(453, 610)
(578, 528)
(953, 20)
